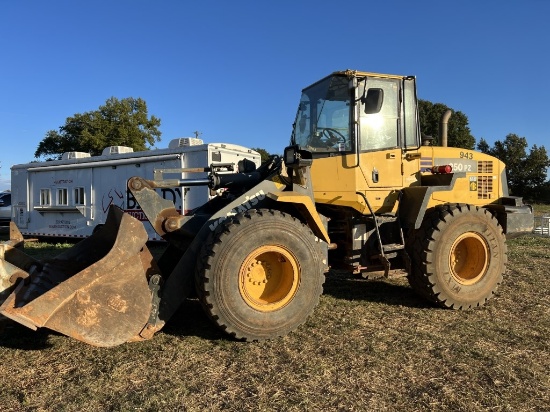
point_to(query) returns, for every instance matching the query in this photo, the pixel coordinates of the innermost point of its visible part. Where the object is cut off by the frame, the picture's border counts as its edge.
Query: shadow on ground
(347, 286)
(16, 336)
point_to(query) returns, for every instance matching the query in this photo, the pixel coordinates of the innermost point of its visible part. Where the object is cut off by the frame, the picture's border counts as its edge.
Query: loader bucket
(96, 292)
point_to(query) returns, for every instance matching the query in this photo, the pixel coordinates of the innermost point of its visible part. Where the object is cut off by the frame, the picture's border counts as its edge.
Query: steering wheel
(330, 136)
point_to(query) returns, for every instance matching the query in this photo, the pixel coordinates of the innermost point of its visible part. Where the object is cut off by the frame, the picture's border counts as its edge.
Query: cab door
(380, 150)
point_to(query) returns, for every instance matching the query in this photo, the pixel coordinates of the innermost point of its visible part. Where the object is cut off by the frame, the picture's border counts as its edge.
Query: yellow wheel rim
(269, 278)
(469, 258)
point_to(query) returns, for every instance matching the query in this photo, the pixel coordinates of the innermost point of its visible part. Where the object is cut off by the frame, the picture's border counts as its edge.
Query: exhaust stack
(443, 127)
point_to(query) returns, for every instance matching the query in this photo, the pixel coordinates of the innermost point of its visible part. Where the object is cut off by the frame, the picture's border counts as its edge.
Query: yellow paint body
(336, 180)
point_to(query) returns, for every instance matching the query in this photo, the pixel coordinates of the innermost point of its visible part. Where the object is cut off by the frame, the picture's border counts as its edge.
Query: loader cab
(361, 131)
(356, 112)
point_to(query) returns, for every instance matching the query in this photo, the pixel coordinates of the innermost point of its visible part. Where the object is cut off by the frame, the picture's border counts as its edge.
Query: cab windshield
(323, 119)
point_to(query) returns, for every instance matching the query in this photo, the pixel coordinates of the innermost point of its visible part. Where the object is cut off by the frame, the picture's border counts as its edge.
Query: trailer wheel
(260, 274)
(459, 256)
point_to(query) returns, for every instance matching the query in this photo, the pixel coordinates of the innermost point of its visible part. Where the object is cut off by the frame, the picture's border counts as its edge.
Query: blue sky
(233, 70)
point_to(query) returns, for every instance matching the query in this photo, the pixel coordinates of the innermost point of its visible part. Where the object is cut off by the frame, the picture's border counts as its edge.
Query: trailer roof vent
(111, 150)
(74, 155)
(184, 142)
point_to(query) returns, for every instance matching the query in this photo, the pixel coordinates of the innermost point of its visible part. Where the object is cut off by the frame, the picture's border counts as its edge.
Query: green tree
(483, 146)
(122, 122)
(526, 173)
(263, 153)
(545, 193)
(458, 131)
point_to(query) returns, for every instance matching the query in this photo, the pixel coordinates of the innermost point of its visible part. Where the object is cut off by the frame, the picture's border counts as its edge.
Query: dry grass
(370, 345)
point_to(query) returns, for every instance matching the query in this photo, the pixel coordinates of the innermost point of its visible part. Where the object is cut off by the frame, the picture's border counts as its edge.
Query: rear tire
(260, 274)
(458, 256)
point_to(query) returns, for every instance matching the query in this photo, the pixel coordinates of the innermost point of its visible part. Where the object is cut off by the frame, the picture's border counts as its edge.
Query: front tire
(459, 256)
(260, 274)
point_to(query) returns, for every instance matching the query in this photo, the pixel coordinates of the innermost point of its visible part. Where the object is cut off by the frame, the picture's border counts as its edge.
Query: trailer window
(62, 196)
(79, 196)
(45, 197)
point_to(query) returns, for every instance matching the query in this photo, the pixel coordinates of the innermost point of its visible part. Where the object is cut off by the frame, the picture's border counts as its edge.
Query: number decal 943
(466, 155)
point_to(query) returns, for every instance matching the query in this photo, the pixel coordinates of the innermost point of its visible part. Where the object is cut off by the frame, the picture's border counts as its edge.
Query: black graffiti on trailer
(112, 196)
(243, 207)
(174, 195)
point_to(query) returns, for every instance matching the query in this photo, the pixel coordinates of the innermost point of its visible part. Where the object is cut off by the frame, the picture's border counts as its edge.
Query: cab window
(379, 117)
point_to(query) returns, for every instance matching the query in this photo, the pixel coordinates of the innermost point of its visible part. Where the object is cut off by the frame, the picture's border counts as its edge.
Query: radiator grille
(484, 187)
(485, 166)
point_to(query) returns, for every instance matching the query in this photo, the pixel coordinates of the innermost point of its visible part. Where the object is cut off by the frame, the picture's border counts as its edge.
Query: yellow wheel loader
(358, 189)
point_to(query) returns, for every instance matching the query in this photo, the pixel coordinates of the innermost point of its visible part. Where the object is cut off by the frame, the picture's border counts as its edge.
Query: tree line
(126, 122)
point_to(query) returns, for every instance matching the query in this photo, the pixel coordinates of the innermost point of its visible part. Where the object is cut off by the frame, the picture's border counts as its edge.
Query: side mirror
(1, 203)
(372, 102)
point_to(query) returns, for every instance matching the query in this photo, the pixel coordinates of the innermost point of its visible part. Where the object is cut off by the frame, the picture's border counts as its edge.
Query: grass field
(370, 345)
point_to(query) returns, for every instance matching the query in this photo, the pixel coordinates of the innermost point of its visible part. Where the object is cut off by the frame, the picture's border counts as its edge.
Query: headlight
(290, 155)
(295, 157)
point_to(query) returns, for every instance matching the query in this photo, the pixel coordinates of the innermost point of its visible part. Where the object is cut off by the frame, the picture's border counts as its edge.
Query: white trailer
(70, 197)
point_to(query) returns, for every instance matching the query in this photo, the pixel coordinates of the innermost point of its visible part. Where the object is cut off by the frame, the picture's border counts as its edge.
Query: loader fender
(307, 208)
(414, 200)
